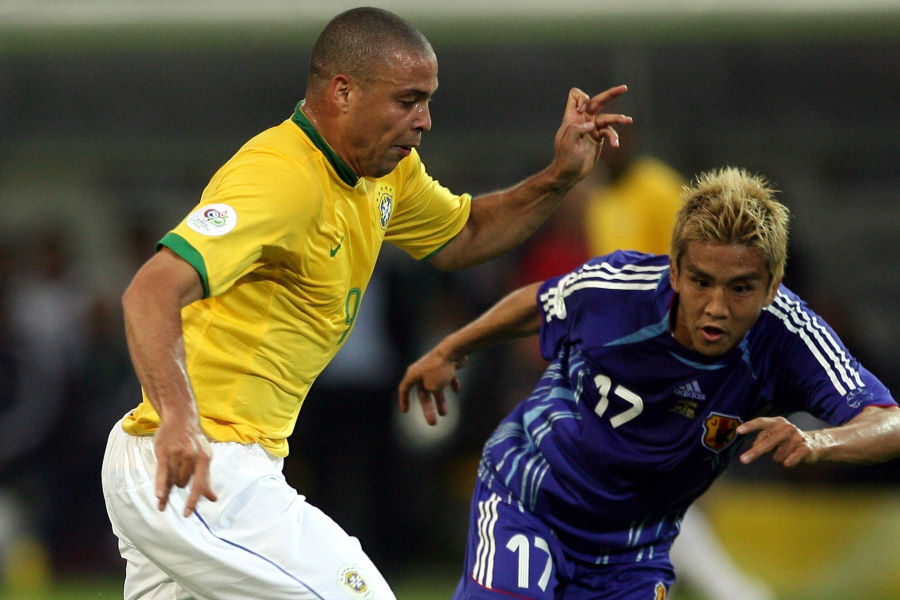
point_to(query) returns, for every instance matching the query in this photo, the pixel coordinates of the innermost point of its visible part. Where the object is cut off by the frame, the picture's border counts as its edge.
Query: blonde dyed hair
(732, 206)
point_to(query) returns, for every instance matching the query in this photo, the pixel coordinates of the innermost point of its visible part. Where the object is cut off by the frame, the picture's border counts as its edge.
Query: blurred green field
(429, 585)
(425, 587)
(806, 542)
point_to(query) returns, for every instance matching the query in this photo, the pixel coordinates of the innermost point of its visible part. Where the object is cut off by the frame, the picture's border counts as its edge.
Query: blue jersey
(627, 427)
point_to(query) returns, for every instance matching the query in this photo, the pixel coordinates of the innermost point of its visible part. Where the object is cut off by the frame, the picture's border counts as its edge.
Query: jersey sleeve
(820, 375)
(250, 204)
(427, 214)
(560, 302)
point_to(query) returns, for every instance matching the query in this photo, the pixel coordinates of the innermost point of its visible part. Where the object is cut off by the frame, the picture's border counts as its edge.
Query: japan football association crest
(719, 431)
(385, 201)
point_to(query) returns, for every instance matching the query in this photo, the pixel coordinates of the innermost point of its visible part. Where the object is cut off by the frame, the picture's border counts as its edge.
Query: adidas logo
(691, 390)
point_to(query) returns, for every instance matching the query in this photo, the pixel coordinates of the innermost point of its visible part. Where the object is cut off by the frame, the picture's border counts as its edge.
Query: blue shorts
(512, 554)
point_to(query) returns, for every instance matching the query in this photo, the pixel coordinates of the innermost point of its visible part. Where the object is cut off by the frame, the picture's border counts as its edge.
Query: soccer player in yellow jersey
(253, 293)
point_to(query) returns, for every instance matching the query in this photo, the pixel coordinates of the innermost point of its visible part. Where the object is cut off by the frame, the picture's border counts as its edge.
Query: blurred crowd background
(112, 121)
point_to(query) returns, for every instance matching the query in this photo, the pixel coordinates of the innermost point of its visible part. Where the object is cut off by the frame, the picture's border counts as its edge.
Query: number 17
(604, 384)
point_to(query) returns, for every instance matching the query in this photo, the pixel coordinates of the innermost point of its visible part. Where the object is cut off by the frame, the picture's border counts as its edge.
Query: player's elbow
(446, 261)
(129, 297)
(132, 298)
(467, 249)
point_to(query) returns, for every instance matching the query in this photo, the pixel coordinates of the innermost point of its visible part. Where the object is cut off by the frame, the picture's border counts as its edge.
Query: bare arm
(871, 436)
(502, 220)
(152, 307)
(515, 316)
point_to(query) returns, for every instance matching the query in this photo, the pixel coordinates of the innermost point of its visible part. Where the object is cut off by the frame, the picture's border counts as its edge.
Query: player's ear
(673, 276)
(339, 92)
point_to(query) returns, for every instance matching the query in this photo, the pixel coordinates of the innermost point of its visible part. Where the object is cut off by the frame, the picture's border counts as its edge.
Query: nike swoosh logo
(336, 248)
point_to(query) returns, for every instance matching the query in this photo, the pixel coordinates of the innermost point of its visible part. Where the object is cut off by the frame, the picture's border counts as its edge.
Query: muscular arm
(515, 316)
(152, 308)
(502, 220)
(872, 436)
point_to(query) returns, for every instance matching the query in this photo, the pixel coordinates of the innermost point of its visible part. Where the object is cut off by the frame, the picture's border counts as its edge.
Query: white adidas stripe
(820, 343)
(609, 285)
(484, 556)
(831, 343)
(567, 287)
(626, 267)
(602, 276)
(624, 273)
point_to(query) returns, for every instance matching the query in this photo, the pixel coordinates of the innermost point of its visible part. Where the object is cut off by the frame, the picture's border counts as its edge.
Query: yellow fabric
(637, 212)
(286, 279)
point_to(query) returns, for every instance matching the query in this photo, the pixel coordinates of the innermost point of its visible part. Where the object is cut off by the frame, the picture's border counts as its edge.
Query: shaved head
(359, 42)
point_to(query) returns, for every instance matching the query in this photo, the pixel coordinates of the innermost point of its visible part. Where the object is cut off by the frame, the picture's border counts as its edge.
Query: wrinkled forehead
(405, 71)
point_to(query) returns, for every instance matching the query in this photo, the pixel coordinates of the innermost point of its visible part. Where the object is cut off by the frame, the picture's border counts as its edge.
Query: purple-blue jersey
(627, 427)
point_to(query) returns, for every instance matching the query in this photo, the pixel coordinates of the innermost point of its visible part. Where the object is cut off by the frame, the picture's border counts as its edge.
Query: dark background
(110, 130)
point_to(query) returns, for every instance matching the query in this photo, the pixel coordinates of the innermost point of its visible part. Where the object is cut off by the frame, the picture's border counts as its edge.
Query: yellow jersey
(285, 239)
(637, 212)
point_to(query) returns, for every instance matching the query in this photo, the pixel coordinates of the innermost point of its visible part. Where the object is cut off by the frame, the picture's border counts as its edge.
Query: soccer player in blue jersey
(660, 368)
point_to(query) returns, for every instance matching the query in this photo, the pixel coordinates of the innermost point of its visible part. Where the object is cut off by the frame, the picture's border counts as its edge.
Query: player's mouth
(712, 335)
(404, 150)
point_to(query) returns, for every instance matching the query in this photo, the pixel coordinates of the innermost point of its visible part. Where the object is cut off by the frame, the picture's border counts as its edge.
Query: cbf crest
(719, 431)
(350, 579)
(385, 202)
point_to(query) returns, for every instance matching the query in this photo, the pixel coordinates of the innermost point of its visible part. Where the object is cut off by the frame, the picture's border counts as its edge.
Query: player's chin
(717, 348)
(386, 166)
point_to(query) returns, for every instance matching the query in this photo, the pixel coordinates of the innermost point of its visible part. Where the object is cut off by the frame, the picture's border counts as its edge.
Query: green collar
(344, 172)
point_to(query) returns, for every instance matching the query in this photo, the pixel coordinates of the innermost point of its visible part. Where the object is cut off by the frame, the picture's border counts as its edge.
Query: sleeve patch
(212, 220)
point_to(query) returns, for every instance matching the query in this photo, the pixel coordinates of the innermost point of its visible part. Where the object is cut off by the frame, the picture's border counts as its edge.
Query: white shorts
(260, 540)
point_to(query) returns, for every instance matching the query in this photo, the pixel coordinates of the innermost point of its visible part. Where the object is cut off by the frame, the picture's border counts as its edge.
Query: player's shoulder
(786, 306)
(787, 317)
(284, 136)
(621, 272)
(282, 149)
(652, 169)
(630, 261)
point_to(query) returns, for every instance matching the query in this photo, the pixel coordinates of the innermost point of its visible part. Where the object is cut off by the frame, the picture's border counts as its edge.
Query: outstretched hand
(788, 444)
(430, 375)
(183, 454)
(584, 129)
